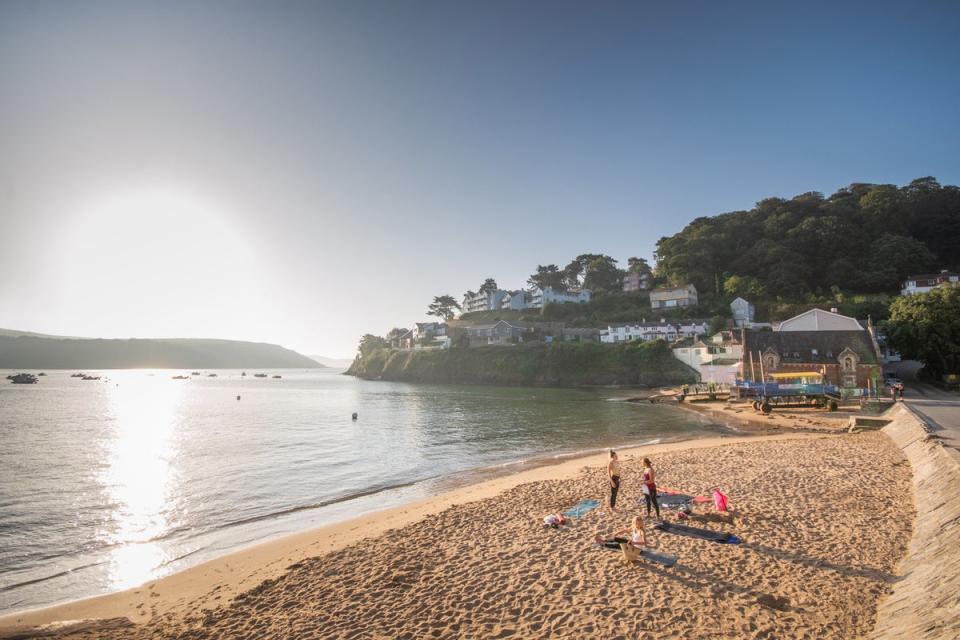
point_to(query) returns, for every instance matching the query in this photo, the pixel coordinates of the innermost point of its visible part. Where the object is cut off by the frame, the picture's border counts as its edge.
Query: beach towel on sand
(671, 499)
(581, 508)
(666, 559)
(693, 532)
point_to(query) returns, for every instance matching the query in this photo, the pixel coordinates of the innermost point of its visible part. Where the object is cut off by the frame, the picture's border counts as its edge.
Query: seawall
(925, 602)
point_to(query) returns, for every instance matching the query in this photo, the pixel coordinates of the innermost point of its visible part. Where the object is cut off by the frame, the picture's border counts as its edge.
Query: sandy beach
(824, 521)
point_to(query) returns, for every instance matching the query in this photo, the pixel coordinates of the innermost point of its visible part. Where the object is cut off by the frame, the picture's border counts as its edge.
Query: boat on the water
(194, 373)
(277, 377)
(181, 377)
(259, 375)
(90, 377)
(77, 375)
(211, 375)
(23, 378)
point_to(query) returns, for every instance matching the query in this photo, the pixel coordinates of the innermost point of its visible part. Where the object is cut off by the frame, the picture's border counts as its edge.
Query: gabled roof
(828, 345)
(820, 318)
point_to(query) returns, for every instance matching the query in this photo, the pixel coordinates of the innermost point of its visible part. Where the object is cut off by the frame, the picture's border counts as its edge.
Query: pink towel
(719, 500)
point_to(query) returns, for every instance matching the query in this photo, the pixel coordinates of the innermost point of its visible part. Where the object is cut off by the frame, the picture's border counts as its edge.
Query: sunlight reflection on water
(138, 474)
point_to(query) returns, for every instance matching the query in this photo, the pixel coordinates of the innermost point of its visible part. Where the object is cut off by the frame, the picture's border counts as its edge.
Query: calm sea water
(105, 485)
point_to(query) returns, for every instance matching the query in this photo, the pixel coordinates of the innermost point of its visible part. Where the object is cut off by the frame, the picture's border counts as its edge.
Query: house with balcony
(484, 301)
(928, 282)
(672, 297)
(549, 295)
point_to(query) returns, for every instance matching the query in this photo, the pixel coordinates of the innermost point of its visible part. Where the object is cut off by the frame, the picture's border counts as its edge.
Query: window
(813, 352)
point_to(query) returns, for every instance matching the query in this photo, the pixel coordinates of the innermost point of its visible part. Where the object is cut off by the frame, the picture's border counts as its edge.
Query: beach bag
(719, 500)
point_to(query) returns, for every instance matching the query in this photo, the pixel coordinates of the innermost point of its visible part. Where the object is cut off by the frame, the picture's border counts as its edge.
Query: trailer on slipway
(790, 390)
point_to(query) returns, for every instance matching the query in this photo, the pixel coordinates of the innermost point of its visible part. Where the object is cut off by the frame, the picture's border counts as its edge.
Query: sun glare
(138, 474)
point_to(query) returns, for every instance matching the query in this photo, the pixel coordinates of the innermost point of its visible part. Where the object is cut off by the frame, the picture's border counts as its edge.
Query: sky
(304, 173)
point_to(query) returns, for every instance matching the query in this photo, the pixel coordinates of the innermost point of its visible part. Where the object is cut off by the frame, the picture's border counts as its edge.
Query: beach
(824, 520)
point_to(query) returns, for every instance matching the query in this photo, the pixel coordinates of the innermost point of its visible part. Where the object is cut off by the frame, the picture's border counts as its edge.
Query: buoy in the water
(354, 416)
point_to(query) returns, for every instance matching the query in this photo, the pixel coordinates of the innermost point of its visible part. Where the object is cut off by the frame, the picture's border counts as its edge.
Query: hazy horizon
(304, 173)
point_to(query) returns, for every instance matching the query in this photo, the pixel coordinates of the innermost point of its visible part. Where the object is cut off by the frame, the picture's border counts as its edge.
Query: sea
(107, 484)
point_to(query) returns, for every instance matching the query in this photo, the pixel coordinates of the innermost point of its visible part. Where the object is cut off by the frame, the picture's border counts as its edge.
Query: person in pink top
(649, 488)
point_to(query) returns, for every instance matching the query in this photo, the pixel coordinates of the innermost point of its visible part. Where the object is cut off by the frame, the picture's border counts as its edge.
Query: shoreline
(215, 582)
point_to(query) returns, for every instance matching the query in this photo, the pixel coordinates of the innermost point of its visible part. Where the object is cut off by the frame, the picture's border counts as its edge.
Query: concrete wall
(925, 602)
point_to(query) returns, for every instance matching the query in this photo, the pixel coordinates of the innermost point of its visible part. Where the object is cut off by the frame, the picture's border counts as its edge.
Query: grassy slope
(561, 364)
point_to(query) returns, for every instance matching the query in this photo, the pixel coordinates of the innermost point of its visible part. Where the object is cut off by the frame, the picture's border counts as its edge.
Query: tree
(548, 276)
(602, 274)
(489, 286)
(396, 333)
(576, 270)
(639, 265)
(926, 327)
(893, 258)
(370, 343)
(443, 307)
(744, 286)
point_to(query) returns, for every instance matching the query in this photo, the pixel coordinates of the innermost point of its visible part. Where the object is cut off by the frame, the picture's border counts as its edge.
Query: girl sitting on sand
(638, 537)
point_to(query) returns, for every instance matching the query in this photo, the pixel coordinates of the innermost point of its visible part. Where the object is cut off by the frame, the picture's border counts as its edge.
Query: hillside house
(498, 333)
(743, 312)
(716, 359)
(636, 282)
(549, 295)
(484, 301)
(648, 331)
(928, 282)
(671, 297)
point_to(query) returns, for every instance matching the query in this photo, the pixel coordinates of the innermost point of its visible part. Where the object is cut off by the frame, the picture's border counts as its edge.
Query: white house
(743, 312)
(649, 331)
(929, 282)
(484, 301)
(517, 300)
(548, 295)
(717, 359)
(819, 320)
(670, 297)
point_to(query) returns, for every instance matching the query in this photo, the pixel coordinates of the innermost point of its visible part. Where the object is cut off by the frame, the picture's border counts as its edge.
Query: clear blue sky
(304, 173)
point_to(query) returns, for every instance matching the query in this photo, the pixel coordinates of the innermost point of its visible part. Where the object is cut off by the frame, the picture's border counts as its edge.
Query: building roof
(820, 320)
(682, 287)
(828, 345)
(932, 276)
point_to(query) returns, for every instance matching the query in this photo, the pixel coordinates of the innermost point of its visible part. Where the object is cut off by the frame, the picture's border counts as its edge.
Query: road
(941, 410)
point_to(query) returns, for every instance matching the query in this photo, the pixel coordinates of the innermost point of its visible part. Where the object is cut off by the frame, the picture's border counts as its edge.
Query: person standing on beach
(613, 472)
(650, 488)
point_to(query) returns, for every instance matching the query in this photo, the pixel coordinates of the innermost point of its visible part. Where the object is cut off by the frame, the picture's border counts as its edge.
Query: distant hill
(24, 350)
(336, 363)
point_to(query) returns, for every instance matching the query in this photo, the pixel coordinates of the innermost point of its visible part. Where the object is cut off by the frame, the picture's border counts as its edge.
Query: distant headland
(26, 350)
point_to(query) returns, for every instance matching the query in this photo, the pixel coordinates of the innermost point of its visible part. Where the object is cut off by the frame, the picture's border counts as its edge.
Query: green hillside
(558, 364)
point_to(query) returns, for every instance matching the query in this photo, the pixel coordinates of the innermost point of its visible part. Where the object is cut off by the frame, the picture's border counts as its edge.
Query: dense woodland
(864, 238)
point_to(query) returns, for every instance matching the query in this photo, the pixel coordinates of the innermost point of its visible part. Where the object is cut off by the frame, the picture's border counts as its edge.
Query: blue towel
(581, 508)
